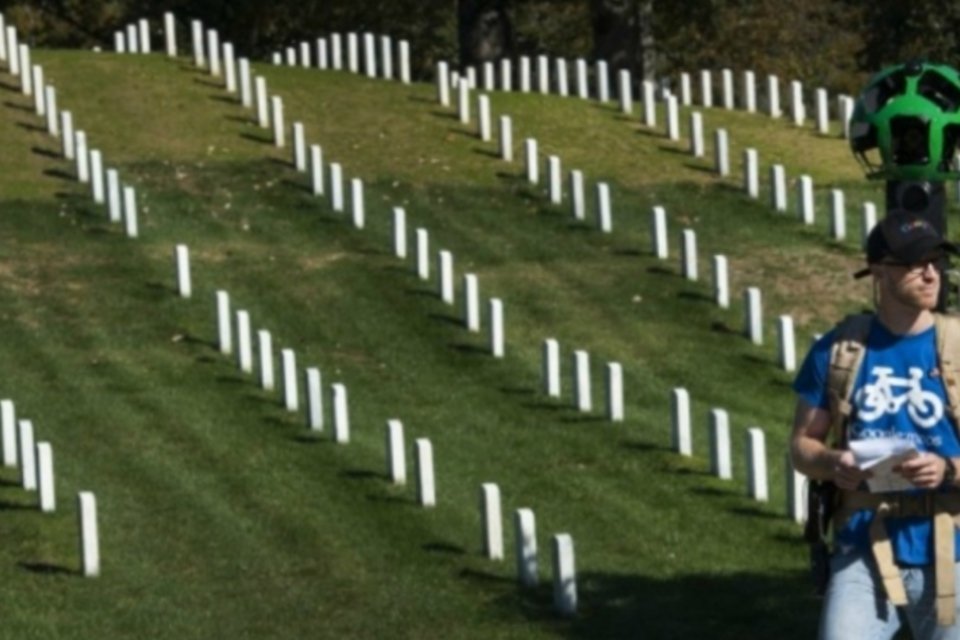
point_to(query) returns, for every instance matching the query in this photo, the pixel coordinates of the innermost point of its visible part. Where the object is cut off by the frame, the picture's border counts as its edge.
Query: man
(885, 550)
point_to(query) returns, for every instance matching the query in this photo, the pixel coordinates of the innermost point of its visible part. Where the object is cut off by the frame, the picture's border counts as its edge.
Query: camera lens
(910, 140)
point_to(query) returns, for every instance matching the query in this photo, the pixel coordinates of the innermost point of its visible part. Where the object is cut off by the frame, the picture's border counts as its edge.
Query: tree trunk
(484, 30)
(623, 35)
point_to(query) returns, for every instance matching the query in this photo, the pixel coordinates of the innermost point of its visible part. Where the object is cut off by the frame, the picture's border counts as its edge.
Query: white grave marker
(564, 575)
(260, 91)
(543, 74)
(445, 267)
(45, 483)
(213, 51)
(838, 215)
(823, 112)
(483, 118)
(686, 91)
(757, 465)
(69, 138)
(89, 534)
(555, 188)
(96, 176)
(229, 68)
(524, 74)
(751, 173)
(83, 157)
(181, 257)
(582, 394)
(196, 31)
(443, 83)
(276, 110)
(796, 493)
(696, 135)
(727, 82)
(778, 191)
(805, 199)
(145, 46)
(615, 412)
(497, 338)
(357, 204)
(749, 91)
(265, 350)
(721, 282)
(787, 343)
(604, 212)
(603, 81)
(649, 104)
(658, 232)
(291, 382)
(423, 253)
(577, 195)
(53, 116)
(492, 518)
(471, 301)
(563, 88)
(689, 254)
(399, 232)
(316, 169)
(28, 461)
(506, 139)
(796, 103)
(625, 91)
(244, 342)
(405, 76)
(224, 325)
(336, 187)
(130, 212)
(525, 538)
(773, 96)
(299, 147)
(754, 315)
(336, 51)
(463, 102)
(8, 422)
(396, 453)
(721, 152)
(39, 95)
(551, 368)
(720, 458)
(532, 160)
(314, 384)
(869, 221)
(673, 118)
(170, 34)
(506, 74)
(583, 89)
(680, 416)
(426, 484)
(341, 414)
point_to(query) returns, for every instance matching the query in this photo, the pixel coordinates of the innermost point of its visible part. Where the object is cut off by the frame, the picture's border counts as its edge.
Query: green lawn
(223, 516)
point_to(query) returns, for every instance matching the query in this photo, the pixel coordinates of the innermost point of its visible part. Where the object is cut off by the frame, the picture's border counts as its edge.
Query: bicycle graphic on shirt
(888, 393)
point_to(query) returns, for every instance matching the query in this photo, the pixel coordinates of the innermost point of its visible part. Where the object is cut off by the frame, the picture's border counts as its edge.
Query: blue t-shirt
(898, 394)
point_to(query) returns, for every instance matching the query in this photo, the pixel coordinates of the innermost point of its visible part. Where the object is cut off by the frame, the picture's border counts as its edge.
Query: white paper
(880, 456)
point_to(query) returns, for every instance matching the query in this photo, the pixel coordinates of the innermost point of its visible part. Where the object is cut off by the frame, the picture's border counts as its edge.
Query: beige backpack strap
(948, 354)
(846, 356)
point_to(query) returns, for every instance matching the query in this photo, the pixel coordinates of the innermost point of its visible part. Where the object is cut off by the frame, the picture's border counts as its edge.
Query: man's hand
(925, 471)
(846, 473)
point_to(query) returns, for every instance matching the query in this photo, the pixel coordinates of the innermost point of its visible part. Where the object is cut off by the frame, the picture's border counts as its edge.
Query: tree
(623, 34)
(484, 29)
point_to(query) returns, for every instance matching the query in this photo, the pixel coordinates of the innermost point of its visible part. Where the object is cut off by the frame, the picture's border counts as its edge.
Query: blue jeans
(856, 605)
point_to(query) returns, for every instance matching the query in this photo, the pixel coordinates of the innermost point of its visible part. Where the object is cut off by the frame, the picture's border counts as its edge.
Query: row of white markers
(105, 185)
(720, 454)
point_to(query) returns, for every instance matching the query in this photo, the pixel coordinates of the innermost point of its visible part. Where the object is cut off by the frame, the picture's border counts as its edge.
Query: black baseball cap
(904, 238)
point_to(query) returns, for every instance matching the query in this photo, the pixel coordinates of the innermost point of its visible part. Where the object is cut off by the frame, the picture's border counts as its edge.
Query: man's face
(914, 286)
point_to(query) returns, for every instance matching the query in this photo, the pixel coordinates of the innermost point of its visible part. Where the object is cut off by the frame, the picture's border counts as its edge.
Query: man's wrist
(949, 473)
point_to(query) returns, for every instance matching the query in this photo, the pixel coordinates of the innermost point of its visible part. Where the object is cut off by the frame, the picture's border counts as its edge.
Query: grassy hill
(223, 516)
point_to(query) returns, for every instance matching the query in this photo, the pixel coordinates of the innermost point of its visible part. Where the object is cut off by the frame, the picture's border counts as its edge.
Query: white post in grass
(615, 411)
(370, 55)
(83, 157)
(696, 135)
(213, 51)
(720, 459)
(119, 42)
(603, 81)
(299, 147)
(170, 34)
(224, 325)
(497, 338)
(649, 104)
(749, 91)
(463, 102)
(145, 44)
(489, 77)
(751, 173)
(823, 111)
(263, 111)
(291, 382)
(196, 32)
(471, 302)
(28, 461)
(336, 187)
(778, 191)
(805, 198)
(353, 53)
(323, 54)
(706, 88)
(39, 96)
(604, 212)
(89, 534)
(838, 215)
(796, 103)
(113, 196)
(305, 60)
(483, 118)
(564, 576)
(506, 74)
(279, 129)
(796, 492)
(244, 342)
(846, 114)
(181, 257)
(551, 368)
(563, 85)
(341, 414)
(577, 196)
(130, 212)
(8, 422)
(45, 483)
(314, 384)
(773, 96)
(53, 115)
(396, 453)
(754, 315)
(265, 350)
(532, 160)
(543, 74)
(869, 221)
(727, 82)
(69, 137)
(229, 68)
(357, 203)
(316, 169)
(445, 266)
(506, 138)
(400, 232)
(583, 87)
(405, 76)
(555, 187)
(686, 91)
(757, 465)
(96, 176)
(291, 57)
(426, 482)
(673, 118)
(13, 51)
(492, 518)
(582, 393)
(658, 232)
(443, 83)
(336, 51)
(689, 254)
(3, 38)
(721, 152)
(26, 71)
(721, 282)
(787, 343)
(525, 539)
(680, 417)
(625, 91)
(423, 253)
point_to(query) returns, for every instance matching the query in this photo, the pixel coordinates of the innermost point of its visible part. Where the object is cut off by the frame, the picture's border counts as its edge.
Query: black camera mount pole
(929, 200)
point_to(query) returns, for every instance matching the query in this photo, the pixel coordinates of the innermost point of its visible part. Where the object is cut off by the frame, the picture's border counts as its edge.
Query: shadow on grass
(630, 253)
(444, 547)
(639, 445)
(18, 107)
(718, 606)
(696, 296)
(469, 349)
(224, 99)
(699, 167)
(29, 126)
(6, 505)
(483, 576)
(723, 327)
(256, 138)
(60, 174)
(208, 83)
(674, 150)
(579, 419)
(480, 151)
(362, 474)
(661, 271)
(46, 153)
(447, 319)
(47, 568)
(545, 405)
(518, 391)
(9, 86)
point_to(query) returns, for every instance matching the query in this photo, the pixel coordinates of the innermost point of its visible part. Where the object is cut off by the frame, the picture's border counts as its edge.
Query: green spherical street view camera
(909, 115)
